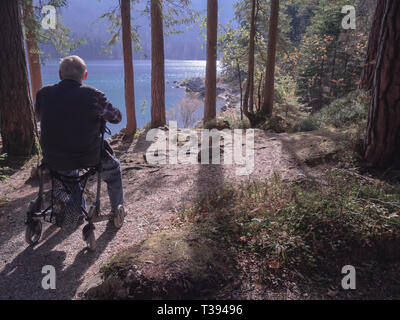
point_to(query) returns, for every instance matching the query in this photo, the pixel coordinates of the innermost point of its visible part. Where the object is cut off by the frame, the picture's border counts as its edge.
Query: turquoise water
(108, 76)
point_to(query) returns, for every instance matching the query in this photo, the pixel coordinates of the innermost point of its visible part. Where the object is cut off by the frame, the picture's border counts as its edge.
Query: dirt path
(152, 194)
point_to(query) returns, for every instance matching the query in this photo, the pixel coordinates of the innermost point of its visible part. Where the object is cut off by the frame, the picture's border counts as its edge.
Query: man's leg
(112, 175)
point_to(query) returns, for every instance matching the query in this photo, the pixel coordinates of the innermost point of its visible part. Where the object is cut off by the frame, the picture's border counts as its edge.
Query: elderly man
(71, 116)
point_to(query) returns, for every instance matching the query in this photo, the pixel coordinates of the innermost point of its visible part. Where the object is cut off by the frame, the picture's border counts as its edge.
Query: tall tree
(270, 70)
(368, 72)
(32, 49)
(382, 142)
(128, 67)
(210, 109)
(59, 37)
(331, 58)
(157, 65)
(16, 112)
(250, 72)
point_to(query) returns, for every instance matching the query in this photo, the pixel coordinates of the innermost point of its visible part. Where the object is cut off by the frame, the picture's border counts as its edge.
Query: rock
(111, 288)
(168, 265)
(220, 90)
(195, 85)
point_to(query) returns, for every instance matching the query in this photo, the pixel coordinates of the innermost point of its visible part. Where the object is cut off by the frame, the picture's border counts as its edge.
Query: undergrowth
(350, 110)
(314, 228)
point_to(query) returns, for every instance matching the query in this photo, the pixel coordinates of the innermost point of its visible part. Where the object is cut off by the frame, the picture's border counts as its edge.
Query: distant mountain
(82, 17)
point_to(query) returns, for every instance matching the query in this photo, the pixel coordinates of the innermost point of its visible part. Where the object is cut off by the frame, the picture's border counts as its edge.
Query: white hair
(73, 68)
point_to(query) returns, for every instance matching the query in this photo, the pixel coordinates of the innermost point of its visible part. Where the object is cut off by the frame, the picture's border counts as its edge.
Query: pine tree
(270, 69)
(382, 142)
(32, 49)
(157, 66)
(128, 67)
(248, 106)
(331, 58)
(211, 68)
(16, 112)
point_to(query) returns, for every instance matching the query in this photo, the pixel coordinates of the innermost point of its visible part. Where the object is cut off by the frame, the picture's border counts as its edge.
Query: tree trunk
(210, 106)
(382, 142)
(270, 72)
(241, 89)
(35, 70)
(16, 112)
(259, 93)
(369, 69)
(128, 67)
(157, 66)
(248, 107)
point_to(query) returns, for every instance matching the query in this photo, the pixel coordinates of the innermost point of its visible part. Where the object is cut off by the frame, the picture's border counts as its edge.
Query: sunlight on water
(108, 76)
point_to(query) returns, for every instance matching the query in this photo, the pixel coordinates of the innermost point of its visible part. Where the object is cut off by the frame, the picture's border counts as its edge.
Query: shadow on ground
(22, 277)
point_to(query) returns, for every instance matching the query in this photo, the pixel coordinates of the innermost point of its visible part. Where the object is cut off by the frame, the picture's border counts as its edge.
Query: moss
(173, 264)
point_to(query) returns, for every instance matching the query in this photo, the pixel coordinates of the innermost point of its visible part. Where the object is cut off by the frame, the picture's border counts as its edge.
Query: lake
(108, 76)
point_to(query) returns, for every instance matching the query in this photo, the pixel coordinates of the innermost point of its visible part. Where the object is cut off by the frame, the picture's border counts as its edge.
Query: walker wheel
(88, 237)
(33, 232)
(85, 232)
(91, 241)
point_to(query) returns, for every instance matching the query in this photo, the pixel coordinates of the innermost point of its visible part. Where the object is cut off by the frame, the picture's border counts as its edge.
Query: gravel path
(152, 195)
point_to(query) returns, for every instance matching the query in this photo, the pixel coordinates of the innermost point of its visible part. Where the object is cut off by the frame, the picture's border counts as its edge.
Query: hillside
(155, 209)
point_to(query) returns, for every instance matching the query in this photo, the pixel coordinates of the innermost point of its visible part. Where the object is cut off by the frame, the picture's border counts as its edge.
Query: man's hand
(105, 109)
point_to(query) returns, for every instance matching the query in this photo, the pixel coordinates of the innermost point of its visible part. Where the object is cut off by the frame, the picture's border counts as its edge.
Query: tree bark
(210, 106)
(157, 66)
(270, 71)
(248, 107)
(367, 76)
(128, 67)
(382, 142)
(35, 70)
(259, 93)
(240, 87)
(16, 112)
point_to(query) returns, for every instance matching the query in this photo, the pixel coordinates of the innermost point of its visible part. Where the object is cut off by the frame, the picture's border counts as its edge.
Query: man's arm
(106, 110)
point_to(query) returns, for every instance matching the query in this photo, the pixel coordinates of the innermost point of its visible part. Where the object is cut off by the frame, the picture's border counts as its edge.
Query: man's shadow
(22, 278)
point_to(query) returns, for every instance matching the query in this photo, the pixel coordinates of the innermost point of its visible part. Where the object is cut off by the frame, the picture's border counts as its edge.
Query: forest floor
(155, 196)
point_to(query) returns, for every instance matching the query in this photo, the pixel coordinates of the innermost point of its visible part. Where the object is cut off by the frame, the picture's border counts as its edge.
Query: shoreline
(195, 88)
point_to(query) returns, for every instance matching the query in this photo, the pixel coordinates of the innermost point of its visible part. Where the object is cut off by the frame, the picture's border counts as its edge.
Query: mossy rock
(176, 264)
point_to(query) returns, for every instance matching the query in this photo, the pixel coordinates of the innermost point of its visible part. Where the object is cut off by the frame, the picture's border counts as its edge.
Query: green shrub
(308, 124)
(352, 109)
(303, 224)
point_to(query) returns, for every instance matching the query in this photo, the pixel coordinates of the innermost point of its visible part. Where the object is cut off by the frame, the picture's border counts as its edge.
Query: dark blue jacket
(70, 122)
